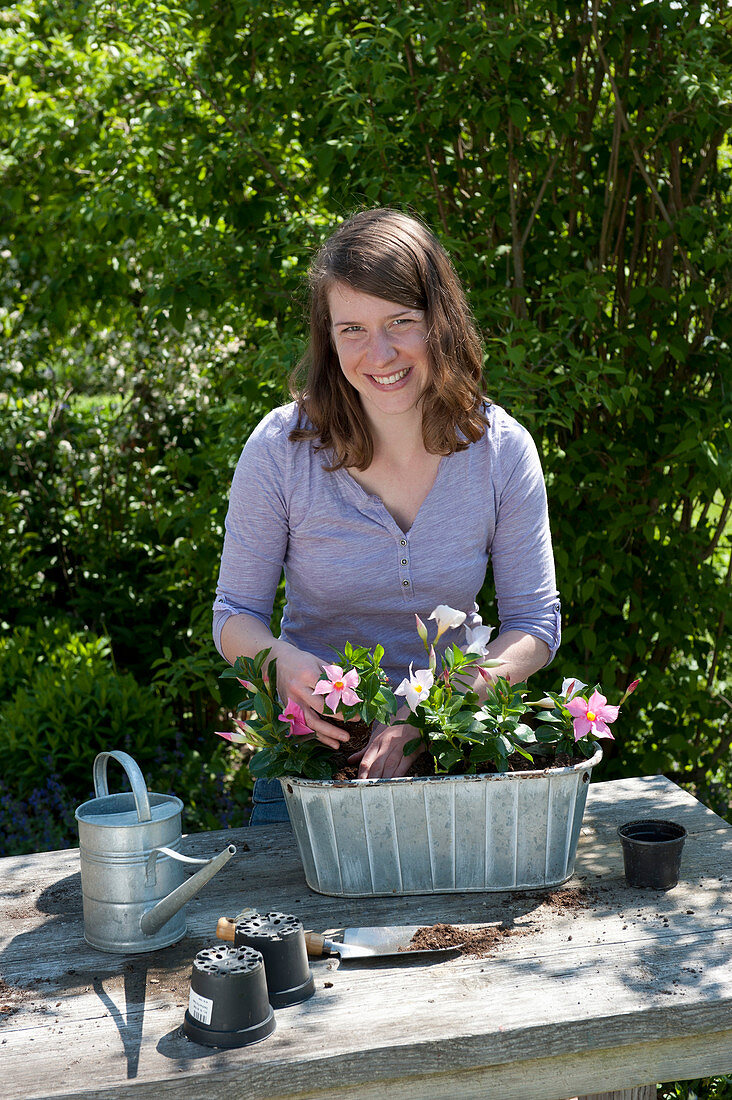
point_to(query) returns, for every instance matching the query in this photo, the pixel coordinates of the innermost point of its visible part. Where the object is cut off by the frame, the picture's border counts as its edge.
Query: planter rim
(493, 777)
(679, 834)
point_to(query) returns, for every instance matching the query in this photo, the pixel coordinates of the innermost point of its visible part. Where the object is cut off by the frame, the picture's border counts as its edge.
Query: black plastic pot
(228, 1004)
(281, 941)
(652, 853)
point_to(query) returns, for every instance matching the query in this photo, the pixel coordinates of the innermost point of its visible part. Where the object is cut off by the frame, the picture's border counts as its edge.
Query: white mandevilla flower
(447, 618)
(477, 639)
(571, 686)
(417, 687)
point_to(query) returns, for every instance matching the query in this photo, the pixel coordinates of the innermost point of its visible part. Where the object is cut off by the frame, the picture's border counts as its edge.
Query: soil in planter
(519, 763)
(359, 739)
(360, 733)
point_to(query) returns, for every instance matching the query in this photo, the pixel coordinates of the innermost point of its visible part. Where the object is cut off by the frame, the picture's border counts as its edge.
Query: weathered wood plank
(390, 1071)
(636, 1003)
(643, 1092)
(641, 979)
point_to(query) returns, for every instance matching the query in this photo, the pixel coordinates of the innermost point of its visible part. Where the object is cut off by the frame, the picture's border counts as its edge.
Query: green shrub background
(167, 170)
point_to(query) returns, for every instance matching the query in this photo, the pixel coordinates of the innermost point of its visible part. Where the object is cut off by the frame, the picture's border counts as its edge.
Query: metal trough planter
(439, 834)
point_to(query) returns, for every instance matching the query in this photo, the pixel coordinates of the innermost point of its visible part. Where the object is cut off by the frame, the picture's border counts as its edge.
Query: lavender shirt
(351, 573)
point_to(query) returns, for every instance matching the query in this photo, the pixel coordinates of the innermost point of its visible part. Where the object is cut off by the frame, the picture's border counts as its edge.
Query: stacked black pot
(280, 939)
(235, 989)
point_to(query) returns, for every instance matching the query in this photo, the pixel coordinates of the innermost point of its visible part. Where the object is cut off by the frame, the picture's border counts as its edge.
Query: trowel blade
(385, 942)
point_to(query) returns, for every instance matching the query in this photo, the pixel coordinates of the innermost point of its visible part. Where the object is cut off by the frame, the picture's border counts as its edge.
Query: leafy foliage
(63, 702)
(377, 702)
(462, 733)
(67, 706)
(466, 735)
(167, 170)
(706, 1088)
(282, 752)
(278, 752)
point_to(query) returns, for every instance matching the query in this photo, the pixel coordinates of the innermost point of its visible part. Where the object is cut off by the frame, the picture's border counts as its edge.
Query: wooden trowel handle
(225, 928)
(315, 944)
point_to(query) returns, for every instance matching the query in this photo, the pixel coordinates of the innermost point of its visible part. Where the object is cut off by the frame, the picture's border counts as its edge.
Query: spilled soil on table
(485, 941)
(477, 942)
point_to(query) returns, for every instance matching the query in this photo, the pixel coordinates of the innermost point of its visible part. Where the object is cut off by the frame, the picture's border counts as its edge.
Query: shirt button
(402, 542)
(404, 561)
(405, 584)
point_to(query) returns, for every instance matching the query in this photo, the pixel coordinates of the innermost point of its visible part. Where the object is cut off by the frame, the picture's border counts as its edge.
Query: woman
(384, 488)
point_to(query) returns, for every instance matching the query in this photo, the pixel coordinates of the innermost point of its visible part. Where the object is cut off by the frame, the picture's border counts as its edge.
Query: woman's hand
(297, 674)
(383, 757)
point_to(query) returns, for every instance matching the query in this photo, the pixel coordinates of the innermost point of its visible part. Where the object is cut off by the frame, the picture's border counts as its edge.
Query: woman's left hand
(383, 757)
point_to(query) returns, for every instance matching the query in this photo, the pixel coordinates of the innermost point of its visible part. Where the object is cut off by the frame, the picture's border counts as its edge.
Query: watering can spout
(154, 919)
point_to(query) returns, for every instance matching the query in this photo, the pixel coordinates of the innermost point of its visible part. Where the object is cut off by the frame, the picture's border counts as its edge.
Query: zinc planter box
(439, 834)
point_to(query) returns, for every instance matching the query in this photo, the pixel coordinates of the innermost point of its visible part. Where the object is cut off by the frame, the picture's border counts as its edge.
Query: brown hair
(391, 256)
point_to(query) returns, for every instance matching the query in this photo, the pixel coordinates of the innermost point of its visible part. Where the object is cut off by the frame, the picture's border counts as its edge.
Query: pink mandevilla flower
(236, 738)
(293, 713)
(629, 691)
(592, 716)
(338, 687)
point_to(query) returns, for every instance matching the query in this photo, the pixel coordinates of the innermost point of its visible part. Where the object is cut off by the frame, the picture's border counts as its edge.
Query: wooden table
(625, 988)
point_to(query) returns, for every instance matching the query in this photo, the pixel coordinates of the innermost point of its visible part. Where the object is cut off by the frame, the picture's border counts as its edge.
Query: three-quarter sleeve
(521, 549)
(256, 527)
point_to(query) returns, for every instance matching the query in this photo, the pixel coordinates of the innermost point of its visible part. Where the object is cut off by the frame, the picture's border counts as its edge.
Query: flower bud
(422, 631)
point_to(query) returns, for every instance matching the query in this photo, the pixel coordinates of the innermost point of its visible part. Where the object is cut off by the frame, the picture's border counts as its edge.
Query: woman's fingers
(297, 675)
(383, 757)
(405, 763)
(325, 732)
(331, 742)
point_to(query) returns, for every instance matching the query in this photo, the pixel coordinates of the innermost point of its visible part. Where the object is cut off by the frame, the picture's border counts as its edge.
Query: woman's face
(382, 350)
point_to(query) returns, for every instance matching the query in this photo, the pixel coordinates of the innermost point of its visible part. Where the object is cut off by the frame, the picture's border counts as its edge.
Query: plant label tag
(200, 1007)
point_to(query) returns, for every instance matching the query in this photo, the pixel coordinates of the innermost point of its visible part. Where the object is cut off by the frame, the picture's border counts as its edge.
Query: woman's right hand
(297, 674)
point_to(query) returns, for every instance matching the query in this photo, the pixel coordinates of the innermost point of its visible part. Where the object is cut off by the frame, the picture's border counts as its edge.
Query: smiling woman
(384, 489)
(382, 351)
(380, 273)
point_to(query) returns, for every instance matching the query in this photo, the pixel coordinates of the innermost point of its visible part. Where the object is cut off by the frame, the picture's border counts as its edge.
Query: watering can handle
(135, 776)
(150, 866)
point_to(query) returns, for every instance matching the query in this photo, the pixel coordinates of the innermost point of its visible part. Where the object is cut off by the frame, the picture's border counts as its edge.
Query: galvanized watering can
(131, 868)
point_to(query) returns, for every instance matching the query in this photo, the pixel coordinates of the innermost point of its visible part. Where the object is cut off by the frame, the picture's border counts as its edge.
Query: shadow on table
(175, 1046)
(129, 1025)
(121, 982)
(651, 940)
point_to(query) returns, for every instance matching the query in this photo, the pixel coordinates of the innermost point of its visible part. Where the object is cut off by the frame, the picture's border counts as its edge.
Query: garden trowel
(359, 944)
